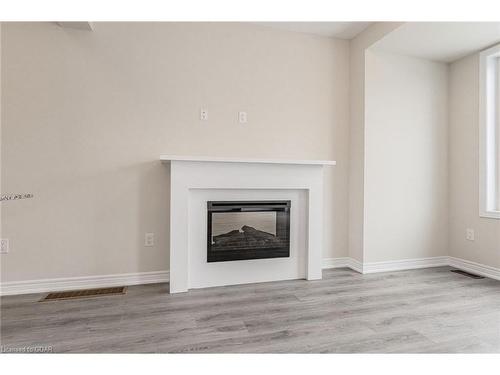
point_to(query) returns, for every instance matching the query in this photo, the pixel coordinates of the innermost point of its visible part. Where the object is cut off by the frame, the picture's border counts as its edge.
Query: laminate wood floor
(424, 311)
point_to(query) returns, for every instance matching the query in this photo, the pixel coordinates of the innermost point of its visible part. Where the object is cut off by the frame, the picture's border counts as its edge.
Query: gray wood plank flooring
(418, 311)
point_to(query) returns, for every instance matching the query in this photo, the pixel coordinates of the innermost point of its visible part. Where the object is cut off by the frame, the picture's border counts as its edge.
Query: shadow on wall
(154, 215)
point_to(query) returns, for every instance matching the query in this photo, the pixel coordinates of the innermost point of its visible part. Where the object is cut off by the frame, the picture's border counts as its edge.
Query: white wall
(358, 47)
(464, 169)
(87, 114)
(434, 224)
(405, 193)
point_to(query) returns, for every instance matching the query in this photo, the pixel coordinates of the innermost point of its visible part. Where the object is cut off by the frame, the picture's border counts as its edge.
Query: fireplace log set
(247, 242)
(248, 237)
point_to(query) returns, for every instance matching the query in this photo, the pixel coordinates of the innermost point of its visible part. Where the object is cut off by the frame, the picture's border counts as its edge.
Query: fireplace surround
(196, 180)
(240, 230)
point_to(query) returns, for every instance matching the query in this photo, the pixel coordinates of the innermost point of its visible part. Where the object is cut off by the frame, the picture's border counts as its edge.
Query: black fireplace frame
(248, 206)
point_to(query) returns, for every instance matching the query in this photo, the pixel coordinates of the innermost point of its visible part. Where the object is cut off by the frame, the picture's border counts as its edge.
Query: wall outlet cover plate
(4, 246)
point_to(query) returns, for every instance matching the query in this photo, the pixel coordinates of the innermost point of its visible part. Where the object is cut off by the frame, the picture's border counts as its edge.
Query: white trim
(344, 262)
(473, 267)
(405, 264)
(409, 264)
(355, 265)
(71, 283)
(491, 214)
(211, 159)
(387, 266)
(335, 262)
(85, 282)
(487, 126)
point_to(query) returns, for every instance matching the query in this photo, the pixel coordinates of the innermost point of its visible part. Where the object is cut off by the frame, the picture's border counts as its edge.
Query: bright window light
(489, 133)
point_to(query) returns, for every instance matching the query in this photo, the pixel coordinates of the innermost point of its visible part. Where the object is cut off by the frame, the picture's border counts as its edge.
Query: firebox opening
(248, 230)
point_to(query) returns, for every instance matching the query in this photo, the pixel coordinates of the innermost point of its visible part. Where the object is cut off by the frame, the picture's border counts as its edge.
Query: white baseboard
(336, 262)
(344, 262)
(393, 265)
(72, 283)
(85, 282)
(409, 264)
(404, 264)
(355, 265)
(476, 268)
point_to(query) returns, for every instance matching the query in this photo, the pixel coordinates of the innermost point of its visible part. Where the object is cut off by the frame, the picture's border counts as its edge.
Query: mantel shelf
(169, 158)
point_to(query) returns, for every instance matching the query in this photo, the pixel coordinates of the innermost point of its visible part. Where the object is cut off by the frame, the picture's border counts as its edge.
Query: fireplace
(239, 230)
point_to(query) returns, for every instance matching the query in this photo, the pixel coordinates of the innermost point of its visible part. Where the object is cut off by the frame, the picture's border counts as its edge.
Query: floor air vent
(84, 293)
(471, 275)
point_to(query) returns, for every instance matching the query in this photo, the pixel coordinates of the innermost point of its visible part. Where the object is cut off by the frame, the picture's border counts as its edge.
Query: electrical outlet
(4, 247)
(469, 234)
(242, 117)
(203, 115)
(149, 239)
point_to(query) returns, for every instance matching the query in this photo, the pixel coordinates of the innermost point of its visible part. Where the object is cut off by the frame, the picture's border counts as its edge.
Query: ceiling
(77, 25)
(441, 41)
(342, 30)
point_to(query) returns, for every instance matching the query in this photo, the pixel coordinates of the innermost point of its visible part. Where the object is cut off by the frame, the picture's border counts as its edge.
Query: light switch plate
(203, 114)
(242, 117)
(149, 239)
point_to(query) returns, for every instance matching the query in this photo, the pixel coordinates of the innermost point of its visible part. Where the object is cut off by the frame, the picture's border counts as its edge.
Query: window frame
(489, 152)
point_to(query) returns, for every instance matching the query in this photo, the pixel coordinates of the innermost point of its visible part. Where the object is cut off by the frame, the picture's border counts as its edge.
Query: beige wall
(358, 46)
(87, 114)
(463, 169)
(1, 190)
(406, 164)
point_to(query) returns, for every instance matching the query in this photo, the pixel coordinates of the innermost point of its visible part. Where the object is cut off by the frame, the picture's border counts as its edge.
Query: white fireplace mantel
(194, 180)
(167, 158)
